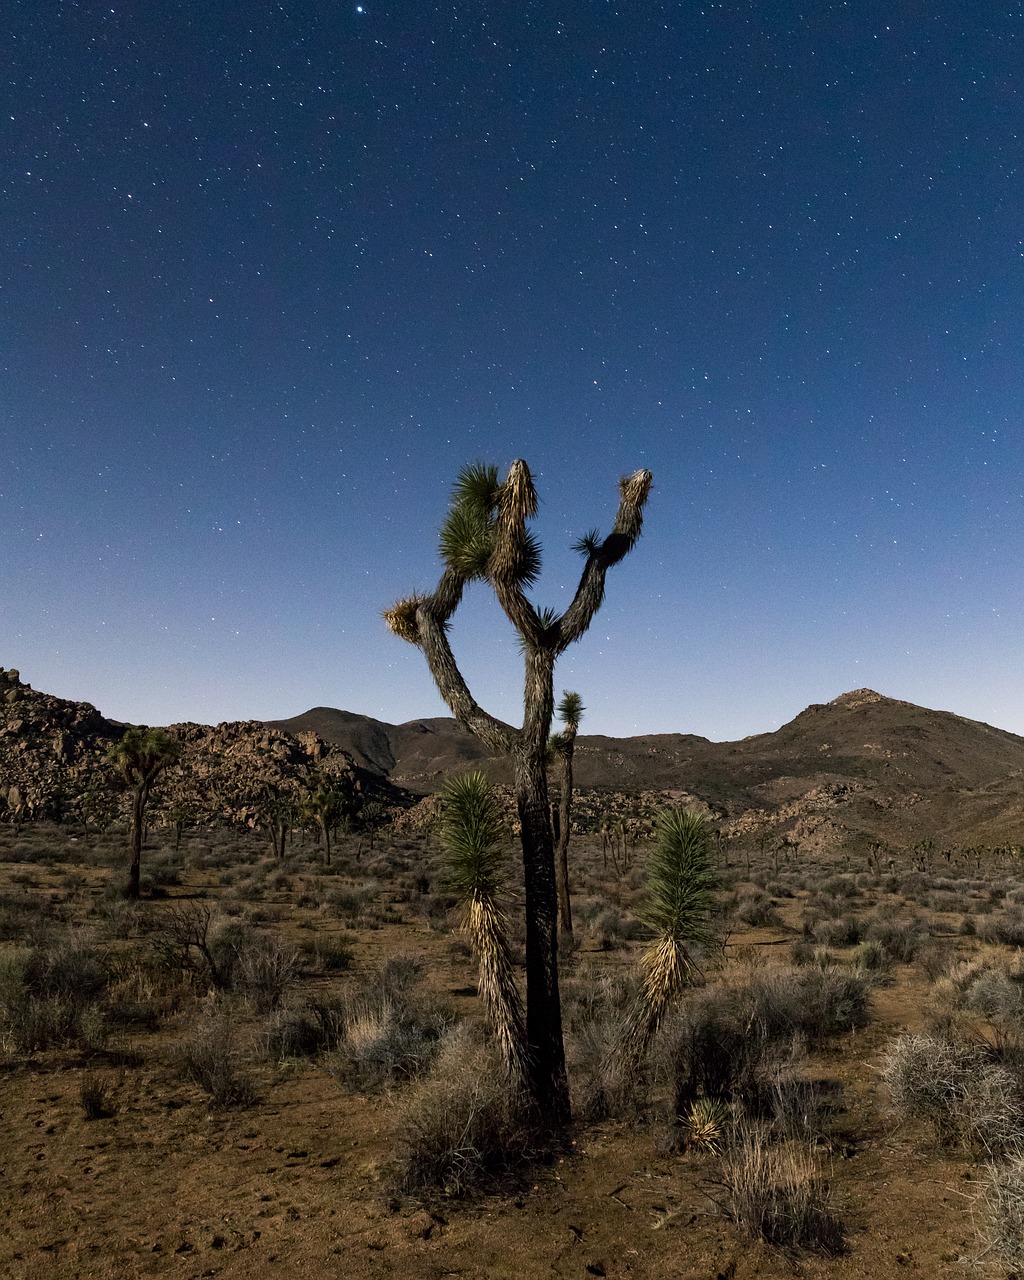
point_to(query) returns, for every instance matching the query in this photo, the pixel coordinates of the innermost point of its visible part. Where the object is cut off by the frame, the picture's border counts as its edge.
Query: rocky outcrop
(52, 765)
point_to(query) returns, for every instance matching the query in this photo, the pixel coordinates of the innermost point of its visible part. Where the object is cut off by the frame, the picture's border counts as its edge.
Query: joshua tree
(327, 801)
(485, 537)
(562, 745)
(140, 757)
(680, 899)
(472, 832)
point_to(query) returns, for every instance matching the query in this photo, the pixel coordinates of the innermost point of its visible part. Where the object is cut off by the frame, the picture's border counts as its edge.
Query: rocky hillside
(860, 770)
(52, 763)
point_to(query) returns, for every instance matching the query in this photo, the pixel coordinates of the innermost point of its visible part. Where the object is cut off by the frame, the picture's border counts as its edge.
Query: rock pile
(52, 765)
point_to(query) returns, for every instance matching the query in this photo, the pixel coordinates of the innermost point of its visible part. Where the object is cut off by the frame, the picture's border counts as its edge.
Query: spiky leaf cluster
(401, 618)
(570, 710)
(467, 535)
(681, 880)
(472, 836)
(680, 898)
(142, 753)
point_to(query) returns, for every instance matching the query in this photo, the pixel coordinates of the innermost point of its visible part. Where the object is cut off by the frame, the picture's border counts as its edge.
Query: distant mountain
(860, 769)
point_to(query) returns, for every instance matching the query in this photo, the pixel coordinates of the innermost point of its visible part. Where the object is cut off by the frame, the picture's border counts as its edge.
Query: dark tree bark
(486, 537)
(139, 801)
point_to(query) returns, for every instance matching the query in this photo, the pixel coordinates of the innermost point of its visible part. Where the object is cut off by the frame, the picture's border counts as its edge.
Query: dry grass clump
(209, 1057)
(594, 1007)
(969, 1101)
(393, 1027)
(743, 1045)
(757, 909)
(777, 1193)
(1002, 1226)
(303, 1030)
(50, 994)
(902, 937)
(465, 1128)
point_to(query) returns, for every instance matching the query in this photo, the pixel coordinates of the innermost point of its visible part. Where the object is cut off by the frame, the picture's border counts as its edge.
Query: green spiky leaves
(467, 535)
(680, 902)
(472, 836)
(681, 881)
(570, 710)
(142, 753)
(473, 833)
(589, 544)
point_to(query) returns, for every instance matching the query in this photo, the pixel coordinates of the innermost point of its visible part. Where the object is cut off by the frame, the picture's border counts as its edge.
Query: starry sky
(271, 273)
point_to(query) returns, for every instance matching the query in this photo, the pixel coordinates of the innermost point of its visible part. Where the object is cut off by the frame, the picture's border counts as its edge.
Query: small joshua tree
(680, 901)
(485, 537)
(472, 832)
(562, 745)
(140, 757)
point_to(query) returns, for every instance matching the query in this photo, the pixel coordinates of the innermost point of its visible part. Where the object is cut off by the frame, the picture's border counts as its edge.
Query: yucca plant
(679, 907)
(473, 834)
(485, 537)
(562, 746)
(704, 1124)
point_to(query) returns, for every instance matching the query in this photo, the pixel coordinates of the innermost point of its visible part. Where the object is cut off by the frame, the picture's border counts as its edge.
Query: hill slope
(862, 768)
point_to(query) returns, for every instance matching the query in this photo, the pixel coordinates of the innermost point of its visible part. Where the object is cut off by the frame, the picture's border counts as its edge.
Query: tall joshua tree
(140, 757)
(485, 537)
(570, 712)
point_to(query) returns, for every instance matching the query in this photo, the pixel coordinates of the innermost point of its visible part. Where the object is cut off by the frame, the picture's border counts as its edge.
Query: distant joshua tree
(562, 745)
(485, 537)
(140, 757)
(328, 801)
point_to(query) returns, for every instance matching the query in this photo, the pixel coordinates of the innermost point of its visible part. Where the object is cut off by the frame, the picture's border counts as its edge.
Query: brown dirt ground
(299, 1184)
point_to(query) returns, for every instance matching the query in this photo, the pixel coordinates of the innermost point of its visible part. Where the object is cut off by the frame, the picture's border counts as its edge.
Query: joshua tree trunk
(485, 536)
(562, 846)
(139, 801)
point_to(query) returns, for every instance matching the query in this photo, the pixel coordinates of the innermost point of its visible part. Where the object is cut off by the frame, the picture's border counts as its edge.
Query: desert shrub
(208, 1056)
(1002, 1225)
(328, 954)
(94, 1096)
(303, 1030)
(1006, 926)
(813, 1002)
(968, 1100)
(757, 909)
(22, 917)
(50, 994)
(872, 956)
(838, 931)
(463, 1129)
(612, 927)
(777, 1193)
(393, 1027)
(262, 970)
(349, 902)
(902, 937)
(594, 1007)
(841, 886)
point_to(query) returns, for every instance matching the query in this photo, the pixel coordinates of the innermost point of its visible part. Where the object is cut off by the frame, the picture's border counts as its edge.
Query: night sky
(272, 273)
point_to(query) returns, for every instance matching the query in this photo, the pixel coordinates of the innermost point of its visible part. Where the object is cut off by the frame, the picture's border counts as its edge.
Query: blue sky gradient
(273, 273)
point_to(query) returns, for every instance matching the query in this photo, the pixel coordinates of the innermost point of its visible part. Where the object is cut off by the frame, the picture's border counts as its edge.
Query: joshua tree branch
(628, 525)
(433, 640)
